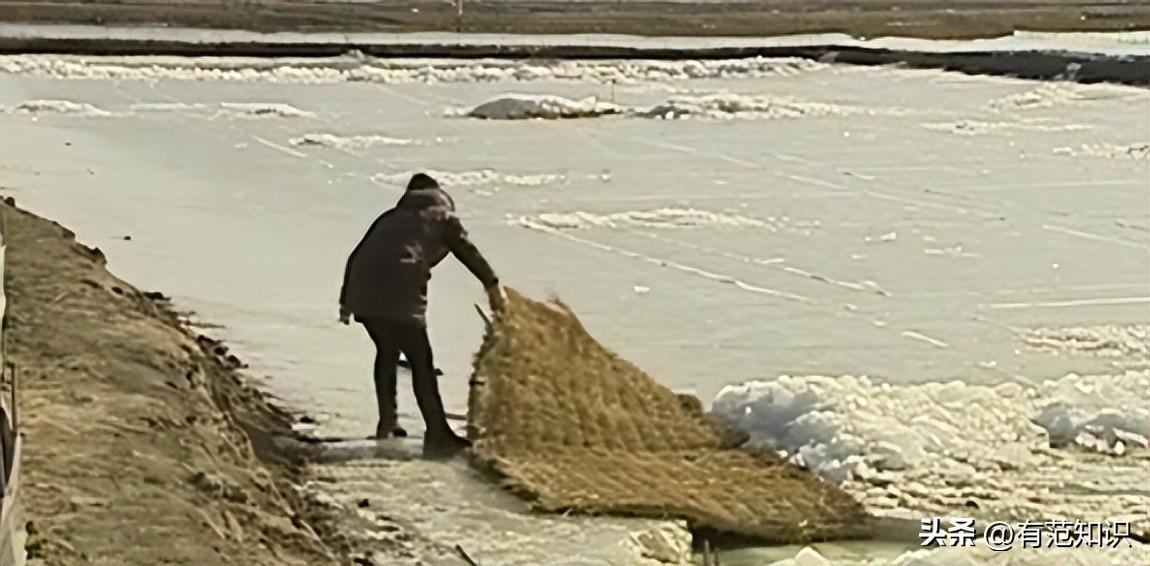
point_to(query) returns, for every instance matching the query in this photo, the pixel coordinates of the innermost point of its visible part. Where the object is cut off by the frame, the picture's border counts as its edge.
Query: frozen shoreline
(1088, 58)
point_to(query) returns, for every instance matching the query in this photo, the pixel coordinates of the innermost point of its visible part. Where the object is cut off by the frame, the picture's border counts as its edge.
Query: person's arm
(346, 274)
(344, 314)
(469, 255)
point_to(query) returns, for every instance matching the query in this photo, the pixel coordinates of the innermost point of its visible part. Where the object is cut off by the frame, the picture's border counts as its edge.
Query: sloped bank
(143, 445)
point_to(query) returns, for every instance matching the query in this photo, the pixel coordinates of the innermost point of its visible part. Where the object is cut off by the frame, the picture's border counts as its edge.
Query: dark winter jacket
(387, 273)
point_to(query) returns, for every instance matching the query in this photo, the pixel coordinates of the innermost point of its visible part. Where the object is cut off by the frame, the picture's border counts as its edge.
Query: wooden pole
(466, 557)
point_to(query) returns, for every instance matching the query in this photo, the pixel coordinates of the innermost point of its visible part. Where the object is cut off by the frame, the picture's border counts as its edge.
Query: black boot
(382, 430)
(439, 440)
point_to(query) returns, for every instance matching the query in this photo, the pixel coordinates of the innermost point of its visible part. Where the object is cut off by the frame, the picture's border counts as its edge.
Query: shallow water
(925, 235)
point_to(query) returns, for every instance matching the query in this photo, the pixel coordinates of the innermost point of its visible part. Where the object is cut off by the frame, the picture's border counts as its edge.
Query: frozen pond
(801, 219)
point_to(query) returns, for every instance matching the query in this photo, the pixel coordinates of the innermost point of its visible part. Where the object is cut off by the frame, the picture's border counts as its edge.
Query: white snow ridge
(726, 106)
(263, 110)
(1107, 150)
(534, 106)
(1055, 94)
(1107, 341)
(722, 106)
(476, 178)
(349, 142)
(57, 107)
(395, 71)
(981, 127)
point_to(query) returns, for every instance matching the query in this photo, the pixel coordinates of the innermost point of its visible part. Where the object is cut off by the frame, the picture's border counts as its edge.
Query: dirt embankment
(863, 18)
(143, 446)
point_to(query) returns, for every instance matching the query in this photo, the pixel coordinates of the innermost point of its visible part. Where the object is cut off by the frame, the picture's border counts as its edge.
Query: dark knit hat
(421, 181)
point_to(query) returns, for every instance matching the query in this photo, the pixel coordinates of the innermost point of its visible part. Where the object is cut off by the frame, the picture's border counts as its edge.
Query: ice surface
(527, 106)
(166, 107)
(423, 508)
(1127, 553)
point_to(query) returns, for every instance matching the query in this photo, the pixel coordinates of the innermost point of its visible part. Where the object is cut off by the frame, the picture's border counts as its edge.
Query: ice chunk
(535, 106)
(809, 557)
(966, 446)
(669, 543)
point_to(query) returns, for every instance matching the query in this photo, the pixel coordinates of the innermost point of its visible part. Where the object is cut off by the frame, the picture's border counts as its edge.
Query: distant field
(862, 18)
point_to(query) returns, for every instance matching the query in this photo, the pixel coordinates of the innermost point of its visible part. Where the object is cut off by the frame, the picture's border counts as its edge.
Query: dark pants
(392, 337)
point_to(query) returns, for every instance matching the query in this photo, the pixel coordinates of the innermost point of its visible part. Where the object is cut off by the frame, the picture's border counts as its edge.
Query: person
(385, 289)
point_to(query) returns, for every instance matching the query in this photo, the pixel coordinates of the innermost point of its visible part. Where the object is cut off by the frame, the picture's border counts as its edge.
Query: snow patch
(958, 448)
(979, 127)
(67, 107)
(349, 142)
(658, 218)
(263, 110)
(531, 106)
(1107, 150)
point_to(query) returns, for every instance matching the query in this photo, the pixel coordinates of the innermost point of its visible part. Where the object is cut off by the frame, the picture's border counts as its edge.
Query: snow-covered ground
(967, 243)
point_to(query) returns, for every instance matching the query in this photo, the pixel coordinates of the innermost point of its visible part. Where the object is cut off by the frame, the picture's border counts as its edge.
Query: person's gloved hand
(344, 315)
(496, 297)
